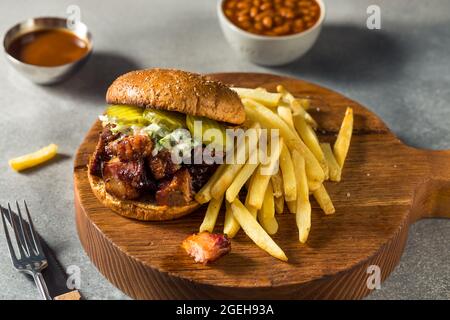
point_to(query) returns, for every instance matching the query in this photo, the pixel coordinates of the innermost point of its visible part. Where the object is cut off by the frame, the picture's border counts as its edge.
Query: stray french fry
(312, 142)
(211, 215)
(287, 170)
(34, 159)
(303, 206)
(324, 200)
(333, 166)
(277, 184)
(266, 215)
(255, 232)
(279, 204)
(262, 176)
(204, 194)
(269, 99)
(231, 225)
(344, 137)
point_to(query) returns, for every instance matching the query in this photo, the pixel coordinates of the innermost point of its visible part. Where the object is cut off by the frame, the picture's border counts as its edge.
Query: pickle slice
(167, 119)
(126, 115)
(206, 136)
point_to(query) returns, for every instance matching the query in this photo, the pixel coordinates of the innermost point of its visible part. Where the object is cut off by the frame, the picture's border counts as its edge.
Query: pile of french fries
(299, 162)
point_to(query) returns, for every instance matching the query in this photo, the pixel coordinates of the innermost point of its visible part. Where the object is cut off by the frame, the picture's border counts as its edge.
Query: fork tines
(26, 238)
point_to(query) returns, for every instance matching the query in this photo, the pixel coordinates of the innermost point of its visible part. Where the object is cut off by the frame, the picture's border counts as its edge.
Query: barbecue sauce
(48, 47)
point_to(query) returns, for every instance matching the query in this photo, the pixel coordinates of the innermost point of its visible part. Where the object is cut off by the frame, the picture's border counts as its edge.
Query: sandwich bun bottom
(134, 209)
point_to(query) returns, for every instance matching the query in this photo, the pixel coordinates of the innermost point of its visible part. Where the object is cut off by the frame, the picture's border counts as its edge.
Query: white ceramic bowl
(268, 50)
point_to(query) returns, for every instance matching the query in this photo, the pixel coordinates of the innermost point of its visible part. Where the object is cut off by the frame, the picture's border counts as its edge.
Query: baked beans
(272, 17)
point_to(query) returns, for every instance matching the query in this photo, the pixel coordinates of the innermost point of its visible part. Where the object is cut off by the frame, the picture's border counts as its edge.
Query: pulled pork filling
(131, 169)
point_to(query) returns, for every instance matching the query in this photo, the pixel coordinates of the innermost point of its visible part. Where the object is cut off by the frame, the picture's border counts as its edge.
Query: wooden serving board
(386, 186)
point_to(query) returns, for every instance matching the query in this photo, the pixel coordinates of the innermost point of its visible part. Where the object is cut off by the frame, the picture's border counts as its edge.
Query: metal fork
(32, 259)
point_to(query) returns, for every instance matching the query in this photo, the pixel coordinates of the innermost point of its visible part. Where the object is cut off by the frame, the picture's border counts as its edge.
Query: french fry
(292, 206)
(34, 159)
(257, 112)
(303, 162)
(344, 137)
(303, 220)
(312, 184)
(305, 103)
(262, 177)
(285, 113)
(241, 178)
(224, 181)
(309, 137)
(255, 232)
(303, 206)
(279, 204)
(288, 174)
(297, 105)
(324, 200)
(277, 184)
(288, 98)
(257, 189)
(209, 221)
(231, 170)
(262, 96)
(333, 166)
(251, 209)
(231, 225)
(309, 119)
(204, 194)
(301, 111)
(266, 216)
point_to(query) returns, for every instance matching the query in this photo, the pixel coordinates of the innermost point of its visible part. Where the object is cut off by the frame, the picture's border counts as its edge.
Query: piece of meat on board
(205, 247)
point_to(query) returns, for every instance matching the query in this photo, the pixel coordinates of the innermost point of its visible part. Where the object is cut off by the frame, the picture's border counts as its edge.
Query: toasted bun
(176, 90)
(140, 210)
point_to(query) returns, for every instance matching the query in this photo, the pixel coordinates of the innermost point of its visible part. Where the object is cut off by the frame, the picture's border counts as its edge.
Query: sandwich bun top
(176, 90)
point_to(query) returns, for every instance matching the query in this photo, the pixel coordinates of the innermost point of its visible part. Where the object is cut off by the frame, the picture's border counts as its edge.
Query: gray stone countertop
(401, 72)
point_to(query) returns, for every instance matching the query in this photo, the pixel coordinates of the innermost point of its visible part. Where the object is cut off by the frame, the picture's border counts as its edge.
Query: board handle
(432, 198)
